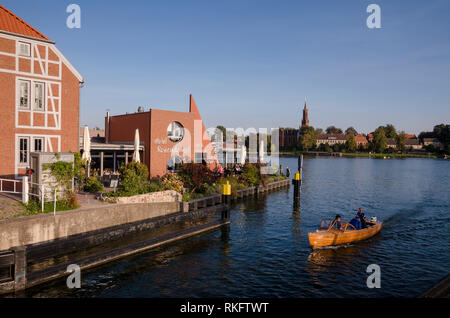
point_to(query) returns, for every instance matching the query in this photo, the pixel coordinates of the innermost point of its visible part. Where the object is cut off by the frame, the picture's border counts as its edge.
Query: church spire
(305, 120)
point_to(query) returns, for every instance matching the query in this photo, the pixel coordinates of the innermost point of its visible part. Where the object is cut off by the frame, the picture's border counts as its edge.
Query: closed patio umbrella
(243, 154)
(136, 156)
(261, 151)
(86, 148)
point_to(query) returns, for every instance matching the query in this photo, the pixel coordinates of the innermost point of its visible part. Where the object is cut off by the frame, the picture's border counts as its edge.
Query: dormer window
(24, 49)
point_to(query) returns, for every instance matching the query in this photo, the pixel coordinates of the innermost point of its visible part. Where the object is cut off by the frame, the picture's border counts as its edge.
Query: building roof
(331, 137)
(9, 22)
(410, 136)
(93, 132)
(430, 140)
(412, 142)
(360, 138)
(408, 142)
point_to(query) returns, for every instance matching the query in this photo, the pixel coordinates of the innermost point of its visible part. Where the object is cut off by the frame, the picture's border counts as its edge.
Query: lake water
(265, 251)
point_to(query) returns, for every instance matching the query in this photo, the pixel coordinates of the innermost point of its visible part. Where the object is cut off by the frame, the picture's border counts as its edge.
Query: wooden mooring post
(226, 199)
(297, 181)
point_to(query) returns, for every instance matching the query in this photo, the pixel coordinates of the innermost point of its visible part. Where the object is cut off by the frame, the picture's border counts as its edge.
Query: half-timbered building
(39, 96)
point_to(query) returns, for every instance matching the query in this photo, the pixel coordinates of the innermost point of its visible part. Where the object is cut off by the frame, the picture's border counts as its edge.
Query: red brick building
(39, 98)
(166, 136)
(361, 140)
(288, 137)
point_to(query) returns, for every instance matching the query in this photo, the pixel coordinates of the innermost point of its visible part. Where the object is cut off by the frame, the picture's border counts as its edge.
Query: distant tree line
(379, 143)
(442, 134)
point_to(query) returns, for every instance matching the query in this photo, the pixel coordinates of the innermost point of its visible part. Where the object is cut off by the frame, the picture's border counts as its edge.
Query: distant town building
(330, 139)
(409, 143)
(413, 143)
(288, 137)
(96, 135)
(434, 142)
(40, 96)
(361, 140)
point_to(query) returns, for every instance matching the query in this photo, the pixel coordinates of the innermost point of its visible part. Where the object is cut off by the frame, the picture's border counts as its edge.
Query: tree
(338, 147)
(223, 130)
(442, 133)
(319, 131)
(350, 143)
(390, 131)
(401, 142)
(308, 138)
(333, 130)
(351, 130)
(379, 139)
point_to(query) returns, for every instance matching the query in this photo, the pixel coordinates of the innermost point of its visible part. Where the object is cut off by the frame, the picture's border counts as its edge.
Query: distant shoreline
(368, 155)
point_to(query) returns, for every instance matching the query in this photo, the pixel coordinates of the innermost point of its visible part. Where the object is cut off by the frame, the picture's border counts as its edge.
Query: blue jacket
(356, 223)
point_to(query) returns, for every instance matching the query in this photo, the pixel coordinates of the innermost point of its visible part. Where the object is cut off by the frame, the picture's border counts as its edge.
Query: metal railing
(27, 189)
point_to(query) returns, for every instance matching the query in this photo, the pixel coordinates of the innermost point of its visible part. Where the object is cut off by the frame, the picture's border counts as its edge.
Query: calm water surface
(265, 251)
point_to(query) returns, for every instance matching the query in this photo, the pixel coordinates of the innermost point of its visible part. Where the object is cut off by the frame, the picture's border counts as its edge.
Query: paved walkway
(10, 206)
(88, 200)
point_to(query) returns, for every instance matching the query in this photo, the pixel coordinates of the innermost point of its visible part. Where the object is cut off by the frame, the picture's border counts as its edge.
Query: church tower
(305, 120)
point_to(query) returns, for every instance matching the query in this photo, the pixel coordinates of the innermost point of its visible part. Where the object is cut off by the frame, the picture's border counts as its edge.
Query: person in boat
(337, 222)
(362, 218)
(356, 223)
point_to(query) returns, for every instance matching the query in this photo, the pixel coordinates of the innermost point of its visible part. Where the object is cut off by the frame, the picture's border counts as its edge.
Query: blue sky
(251, 63)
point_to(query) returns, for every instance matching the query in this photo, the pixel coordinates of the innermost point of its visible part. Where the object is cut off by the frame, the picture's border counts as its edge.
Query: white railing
(2, 186)
(44, 196)
(24, 189)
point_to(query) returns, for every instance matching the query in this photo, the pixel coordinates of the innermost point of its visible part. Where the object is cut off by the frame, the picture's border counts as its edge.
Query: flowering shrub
(172, 181)
(197, 177)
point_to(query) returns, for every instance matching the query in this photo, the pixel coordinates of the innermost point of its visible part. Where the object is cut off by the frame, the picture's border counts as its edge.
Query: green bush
(153, 186)
(34, 206)
(250, 175)
(93, 185)
(192, 196)
(134, 177)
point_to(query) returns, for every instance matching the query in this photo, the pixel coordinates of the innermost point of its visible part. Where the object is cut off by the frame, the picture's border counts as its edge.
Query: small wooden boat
(328, 235)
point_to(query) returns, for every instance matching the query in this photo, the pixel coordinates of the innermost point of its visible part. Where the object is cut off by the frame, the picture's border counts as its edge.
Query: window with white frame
(38, 96)
(38, 144)
(24, 49)
(24, 97)
(24, 149)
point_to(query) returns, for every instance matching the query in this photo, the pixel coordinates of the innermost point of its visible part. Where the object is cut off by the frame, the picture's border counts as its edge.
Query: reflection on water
(265, 251)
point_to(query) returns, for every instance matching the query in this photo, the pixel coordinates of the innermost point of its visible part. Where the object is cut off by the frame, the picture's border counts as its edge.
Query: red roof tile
(11, 23)
(360, 139)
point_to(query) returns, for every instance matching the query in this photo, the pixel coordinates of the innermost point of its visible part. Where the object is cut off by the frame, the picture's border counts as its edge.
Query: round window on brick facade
(175, 131)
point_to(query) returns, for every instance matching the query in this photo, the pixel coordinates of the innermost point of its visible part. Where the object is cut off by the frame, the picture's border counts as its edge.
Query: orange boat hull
(331, 237)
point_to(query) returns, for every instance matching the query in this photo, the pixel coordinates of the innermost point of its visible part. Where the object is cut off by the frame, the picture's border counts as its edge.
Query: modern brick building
(167, 137)
(39, 100)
